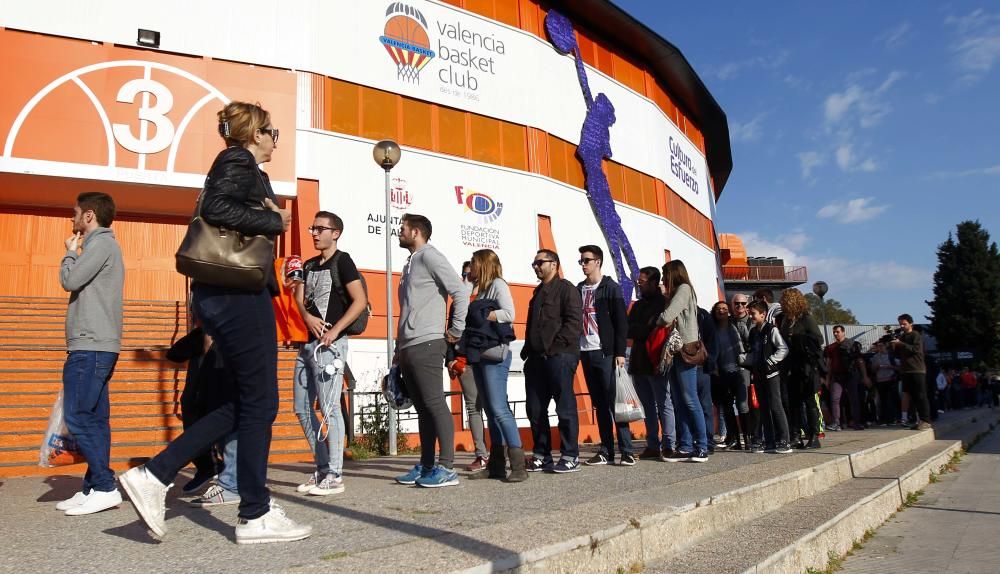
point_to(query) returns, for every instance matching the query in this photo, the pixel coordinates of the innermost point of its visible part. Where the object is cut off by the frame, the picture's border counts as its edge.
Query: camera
(891, 334)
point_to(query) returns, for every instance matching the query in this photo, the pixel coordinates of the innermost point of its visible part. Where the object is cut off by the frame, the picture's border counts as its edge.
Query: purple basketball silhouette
(560, 31)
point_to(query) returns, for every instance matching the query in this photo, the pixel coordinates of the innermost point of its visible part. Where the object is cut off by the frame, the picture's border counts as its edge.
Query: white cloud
(730, 70)
(808, 161)
(896, 36)
(844, 157)
(977, 47)
(748, 131)
(854, 211)
(841, 273)
(848, 161)
(866, 105)
(991, 170)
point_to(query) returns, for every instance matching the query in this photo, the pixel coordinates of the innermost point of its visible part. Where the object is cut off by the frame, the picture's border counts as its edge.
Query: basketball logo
(405, 38)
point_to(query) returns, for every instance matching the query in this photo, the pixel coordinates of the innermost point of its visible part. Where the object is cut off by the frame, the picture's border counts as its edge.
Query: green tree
(966, 305)
(836, 313)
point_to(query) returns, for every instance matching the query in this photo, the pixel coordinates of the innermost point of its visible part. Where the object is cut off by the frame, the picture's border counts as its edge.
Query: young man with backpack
(333, 302)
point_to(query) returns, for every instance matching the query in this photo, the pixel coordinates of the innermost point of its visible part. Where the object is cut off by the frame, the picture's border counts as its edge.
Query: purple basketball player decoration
(595, 145)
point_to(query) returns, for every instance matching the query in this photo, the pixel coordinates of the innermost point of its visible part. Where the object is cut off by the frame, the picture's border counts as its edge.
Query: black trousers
(547, 379)
(422, 366)
(914, 384)
(769, 394)
(802, 401)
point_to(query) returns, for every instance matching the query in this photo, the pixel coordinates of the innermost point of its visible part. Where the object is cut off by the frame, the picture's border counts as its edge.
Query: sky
(862, 133)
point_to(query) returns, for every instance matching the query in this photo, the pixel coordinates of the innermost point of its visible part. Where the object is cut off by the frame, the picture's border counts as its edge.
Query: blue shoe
(411, 477)
(439, 476)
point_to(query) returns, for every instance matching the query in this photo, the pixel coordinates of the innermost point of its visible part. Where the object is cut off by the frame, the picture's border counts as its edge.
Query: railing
(764, 273)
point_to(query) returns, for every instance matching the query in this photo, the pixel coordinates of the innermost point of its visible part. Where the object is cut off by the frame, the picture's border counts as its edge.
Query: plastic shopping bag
(627, 405)
(58, 446)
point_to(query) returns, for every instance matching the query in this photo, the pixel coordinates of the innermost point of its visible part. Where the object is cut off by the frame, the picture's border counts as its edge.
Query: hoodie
(95, 280)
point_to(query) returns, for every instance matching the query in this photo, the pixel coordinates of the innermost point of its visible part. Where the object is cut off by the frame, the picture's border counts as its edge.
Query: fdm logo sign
(405, 38)
(485, 211)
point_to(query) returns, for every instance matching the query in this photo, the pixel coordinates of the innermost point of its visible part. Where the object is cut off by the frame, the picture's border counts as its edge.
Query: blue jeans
(547, 379)
(87, 410)
(599, 373)
(705, 397)
(691, 417)
(242, 325)
(227, 478)
(654, 394)
(491, 383)
(311, 383)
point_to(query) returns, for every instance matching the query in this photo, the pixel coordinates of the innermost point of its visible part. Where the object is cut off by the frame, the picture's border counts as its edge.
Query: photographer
(909, 347)
(885, 382)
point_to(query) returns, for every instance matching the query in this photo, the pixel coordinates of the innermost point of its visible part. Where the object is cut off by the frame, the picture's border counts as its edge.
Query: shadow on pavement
(62, 486)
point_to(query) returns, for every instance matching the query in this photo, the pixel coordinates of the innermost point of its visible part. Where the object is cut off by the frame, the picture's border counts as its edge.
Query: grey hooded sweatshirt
(428, 280)
(94, 279)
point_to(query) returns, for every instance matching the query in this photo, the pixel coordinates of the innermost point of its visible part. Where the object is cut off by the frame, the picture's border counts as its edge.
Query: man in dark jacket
(551, 352)
(653, 390)
(602, 351)
(910, 348)
(706, 326)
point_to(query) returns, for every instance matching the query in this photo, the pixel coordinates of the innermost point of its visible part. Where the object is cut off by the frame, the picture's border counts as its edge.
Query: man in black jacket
(602, 351)
(551, 352)
(910, 348)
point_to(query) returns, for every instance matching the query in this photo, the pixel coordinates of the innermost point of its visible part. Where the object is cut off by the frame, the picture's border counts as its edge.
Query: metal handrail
(764, 273)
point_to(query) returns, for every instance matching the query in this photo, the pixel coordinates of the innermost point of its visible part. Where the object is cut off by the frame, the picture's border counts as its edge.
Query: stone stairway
(145, 389)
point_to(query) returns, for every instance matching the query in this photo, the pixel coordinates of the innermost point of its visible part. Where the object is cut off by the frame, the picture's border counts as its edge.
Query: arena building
(488, 106)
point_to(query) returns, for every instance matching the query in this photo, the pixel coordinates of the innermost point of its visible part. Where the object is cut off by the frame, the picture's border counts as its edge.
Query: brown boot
(517, 470)
(497, 465)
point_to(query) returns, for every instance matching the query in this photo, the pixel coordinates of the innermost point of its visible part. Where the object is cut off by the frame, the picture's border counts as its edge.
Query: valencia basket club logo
(405, 38)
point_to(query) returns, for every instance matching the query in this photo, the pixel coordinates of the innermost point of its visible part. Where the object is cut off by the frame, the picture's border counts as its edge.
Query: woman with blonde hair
(238, 197)
(800, 369)
(488, 330)
(682, 308)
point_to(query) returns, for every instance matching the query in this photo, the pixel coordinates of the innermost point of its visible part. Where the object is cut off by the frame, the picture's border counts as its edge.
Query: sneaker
(272, 527)
(331, 484)
(566, 465)
(782, 448)
(941, 411)
(309, 484)
(532, 464)
(922, 425)
(411, 477)
(215, 496)
(197, 483)
(96, 501)
(149, 497)
(756, 448)
(627, 460)
(478, 464)
(438, 477)
(699, 456)
(597, 460)
(675, 456)
(649, 453)
(832, 427)
(73, 502)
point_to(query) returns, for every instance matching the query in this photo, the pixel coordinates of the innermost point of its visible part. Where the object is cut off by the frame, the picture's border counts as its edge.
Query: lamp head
(386, 154)
(820, 288)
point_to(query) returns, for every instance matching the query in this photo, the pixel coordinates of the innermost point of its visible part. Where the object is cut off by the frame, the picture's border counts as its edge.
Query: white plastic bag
(58, 446)
(627, 405)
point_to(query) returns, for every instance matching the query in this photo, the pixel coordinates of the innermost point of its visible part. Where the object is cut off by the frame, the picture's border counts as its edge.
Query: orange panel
(514, 142)
(481, 7)
(304, 208)
(538, 151)
(507, 12)
(574, 169)
(417, 124)
(531, 17)
(633, 187)
(557, 158)
(485, 133)
(649, 202)
(379, 115)
(587, 50)
(345, 107)
(451, 129)
(666, 256)
(616, 180)
(605, 60)
(662, 206)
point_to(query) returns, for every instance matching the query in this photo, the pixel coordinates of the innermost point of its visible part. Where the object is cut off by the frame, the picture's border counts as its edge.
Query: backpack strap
(338, 286)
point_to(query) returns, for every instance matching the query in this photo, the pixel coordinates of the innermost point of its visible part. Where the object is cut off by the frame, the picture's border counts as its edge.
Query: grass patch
(835, 561)
(334, 556)
(912, 498)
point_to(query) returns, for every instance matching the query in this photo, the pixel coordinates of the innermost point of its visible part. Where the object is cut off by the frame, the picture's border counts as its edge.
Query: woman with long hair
(486, 274)
(800, 369)
(682, 313)
(238, 197)
(728, 391)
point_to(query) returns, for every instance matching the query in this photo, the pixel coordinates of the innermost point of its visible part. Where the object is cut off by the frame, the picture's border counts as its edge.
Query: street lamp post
(386, 154)
(820, 288)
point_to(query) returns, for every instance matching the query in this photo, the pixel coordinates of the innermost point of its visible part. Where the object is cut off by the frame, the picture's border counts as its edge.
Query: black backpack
(361, 323)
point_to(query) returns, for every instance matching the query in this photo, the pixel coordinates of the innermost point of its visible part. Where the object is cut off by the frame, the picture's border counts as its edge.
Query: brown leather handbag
(224, 257)
(694, 353)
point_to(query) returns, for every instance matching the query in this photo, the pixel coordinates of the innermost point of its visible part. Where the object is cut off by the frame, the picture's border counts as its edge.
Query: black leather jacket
(233, 193)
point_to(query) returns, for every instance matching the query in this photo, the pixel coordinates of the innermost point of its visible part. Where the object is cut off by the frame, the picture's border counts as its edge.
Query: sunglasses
(740, 303)
(540, 262)
(585, 260)
(316, 229)
(273, 132)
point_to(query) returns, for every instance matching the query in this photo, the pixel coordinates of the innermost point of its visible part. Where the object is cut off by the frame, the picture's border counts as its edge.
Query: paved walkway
(951, 529)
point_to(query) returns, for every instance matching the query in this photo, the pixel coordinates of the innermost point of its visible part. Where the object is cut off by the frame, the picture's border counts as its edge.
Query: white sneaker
(96, 501)
(272, 527)
(149, 497)
(309, 484)
(331, 484)
(215, 496)
(77, 500)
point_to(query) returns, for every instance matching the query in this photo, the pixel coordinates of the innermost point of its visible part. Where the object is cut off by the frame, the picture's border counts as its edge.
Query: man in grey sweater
(428, 280)
(94, 277)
